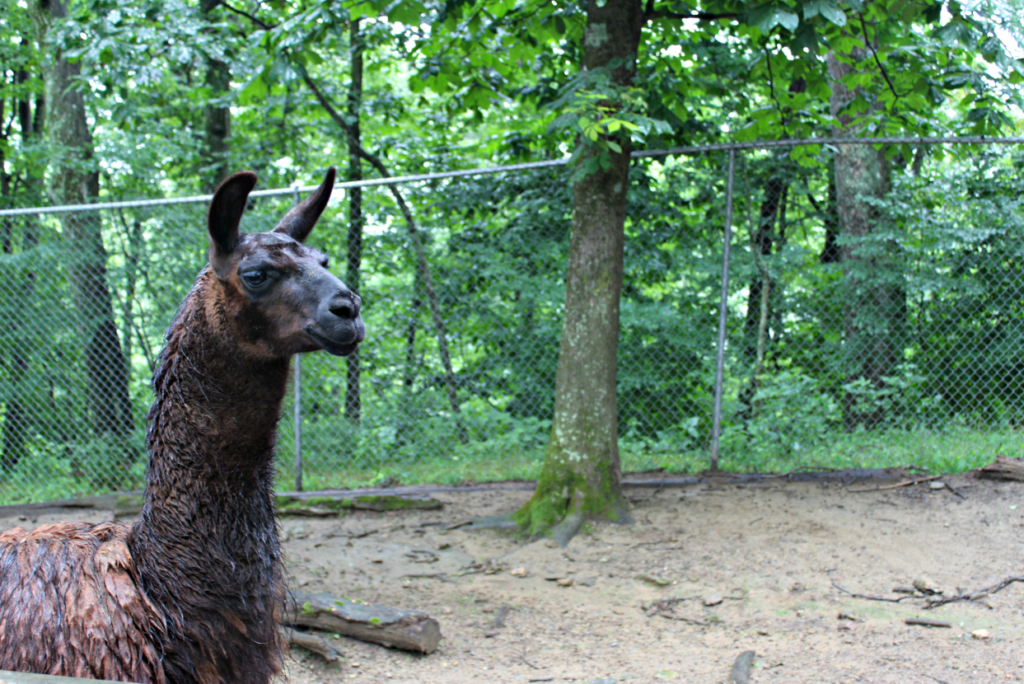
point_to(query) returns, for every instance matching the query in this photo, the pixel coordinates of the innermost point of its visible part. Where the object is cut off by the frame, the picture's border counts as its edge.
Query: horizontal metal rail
(640, 154)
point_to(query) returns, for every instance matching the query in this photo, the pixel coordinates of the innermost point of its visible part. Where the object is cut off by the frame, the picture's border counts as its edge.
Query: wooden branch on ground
(390, 627)
(925, 622)
(906, 483)
(933, 601)
(875, 598)
(311, 642)
(1003, 469)
(974, 595)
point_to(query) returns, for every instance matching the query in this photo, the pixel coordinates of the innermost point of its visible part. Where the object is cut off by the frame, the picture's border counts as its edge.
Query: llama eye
(253, 279)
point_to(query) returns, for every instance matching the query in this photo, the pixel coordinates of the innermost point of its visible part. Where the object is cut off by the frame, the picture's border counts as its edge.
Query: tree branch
(771, 86)
(702, 16)
(874, 53)
(421, 257)
(254, 19)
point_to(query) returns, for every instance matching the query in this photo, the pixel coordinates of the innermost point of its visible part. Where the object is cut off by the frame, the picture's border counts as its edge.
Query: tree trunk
(761, 289)
(75, 180)
(581, 475)
(18, 414)
(216, 116)
(875, 298)
(764, 243)
(353, 399)
(830, 252)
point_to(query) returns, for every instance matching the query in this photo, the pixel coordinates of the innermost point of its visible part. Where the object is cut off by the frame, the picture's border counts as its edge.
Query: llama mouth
(333, 347)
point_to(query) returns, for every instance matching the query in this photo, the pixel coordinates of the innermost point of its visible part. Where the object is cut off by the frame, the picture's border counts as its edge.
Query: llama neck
(208, 517)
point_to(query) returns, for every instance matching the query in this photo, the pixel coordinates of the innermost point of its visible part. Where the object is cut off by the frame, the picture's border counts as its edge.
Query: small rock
(844, 627)
(926, 586)
(980, 634)
(847, 616)
(937, 485)
(798, 588)
(564, 582)
(443, 545)
(551, 544)
(23, 518)
(763, 632)
(713, 599)
(586, 581)
(517, 572)
(446, 610)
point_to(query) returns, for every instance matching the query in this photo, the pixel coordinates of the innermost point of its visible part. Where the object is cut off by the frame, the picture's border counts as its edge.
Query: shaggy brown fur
(191, 592)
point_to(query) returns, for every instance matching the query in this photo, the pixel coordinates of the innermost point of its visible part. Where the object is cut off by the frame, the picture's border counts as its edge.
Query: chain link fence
(851, 326)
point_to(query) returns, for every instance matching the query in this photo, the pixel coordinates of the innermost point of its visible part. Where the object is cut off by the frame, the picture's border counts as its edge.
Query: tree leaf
(832, 12)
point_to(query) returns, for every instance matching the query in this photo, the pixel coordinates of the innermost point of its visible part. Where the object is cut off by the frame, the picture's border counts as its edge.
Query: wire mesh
(869, 326)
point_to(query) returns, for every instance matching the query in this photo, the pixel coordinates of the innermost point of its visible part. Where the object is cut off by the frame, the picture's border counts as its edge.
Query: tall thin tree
(353, 276)
(74, 179)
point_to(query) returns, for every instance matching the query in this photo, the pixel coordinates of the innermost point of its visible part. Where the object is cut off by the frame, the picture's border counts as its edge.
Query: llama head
(274, 295)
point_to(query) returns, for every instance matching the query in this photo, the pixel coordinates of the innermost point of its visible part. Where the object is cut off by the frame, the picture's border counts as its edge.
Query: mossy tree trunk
(581, 476)
(74, 179)
(875, 309)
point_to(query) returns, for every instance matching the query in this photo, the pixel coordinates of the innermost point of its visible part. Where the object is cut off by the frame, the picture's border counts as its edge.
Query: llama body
(191, 593)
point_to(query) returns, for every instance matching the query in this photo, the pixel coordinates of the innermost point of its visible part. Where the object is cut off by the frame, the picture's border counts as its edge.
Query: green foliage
(457, 85)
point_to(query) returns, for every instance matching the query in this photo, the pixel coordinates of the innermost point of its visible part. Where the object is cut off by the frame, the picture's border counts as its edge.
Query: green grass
(330, 463)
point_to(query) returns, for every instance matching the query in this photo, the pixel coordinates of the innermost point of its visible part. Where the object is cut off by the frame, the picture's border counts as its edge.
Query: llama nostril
(345, 306)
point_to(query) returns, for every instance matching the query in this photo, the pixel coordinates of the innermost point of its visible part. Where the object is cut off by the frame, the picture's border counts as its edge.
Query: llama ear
(226, 211)
(301, 219)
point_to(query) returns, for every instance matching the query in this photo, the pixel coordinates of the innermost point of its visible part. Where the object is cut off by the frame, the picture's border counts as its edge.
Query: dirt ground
(753, 568)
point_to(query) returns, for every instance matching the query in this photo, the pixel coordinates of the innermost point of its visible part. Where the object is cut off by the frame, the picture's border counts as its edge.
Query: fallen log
(391, 627)
(1003, 469)
(310, 642)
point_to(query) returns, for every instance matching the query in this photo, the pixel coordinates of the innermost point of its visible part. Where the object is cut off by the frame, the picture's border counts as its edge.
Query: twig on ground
(654, 543)
(431, 575)
(955, 491)
(874, 598)
(666, 609)
(522, 659)
(974, 595)
(934, 601)
(680, 618)
(906, 483)
(924, 622)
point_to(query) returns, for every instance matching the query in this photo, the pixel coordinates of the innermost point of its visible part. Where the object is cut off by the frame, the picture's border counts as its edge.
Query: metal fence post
(298, 404)
(716, 421)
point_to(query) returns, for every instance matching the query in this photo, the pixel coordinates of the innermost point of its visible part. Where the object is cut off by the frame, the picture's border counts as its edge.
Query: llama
(192, 592)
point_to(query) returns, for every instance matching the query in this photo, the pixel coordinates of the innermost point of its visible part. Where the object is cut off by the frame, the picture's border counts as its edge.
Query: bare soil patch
(707, 572)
